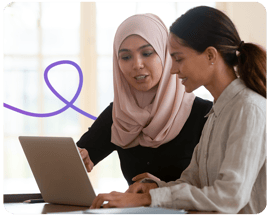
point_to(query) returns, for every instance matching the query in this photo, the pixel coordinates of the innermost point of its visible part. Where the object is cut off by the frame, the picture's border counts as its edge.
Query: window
(37, 34)
(34, 37)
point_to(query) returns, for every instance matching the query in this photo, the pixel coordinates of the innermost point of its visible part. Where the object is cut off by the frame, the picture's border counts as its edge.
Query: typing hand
(140, 177)
(121, 200)
(86, 159)
(141, 187)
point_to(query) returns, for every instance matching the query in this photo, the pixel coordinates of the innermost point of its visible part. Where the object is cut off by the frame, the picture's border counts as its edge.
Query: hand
(141, 187)
(144, 175)
(121, 200)
(86, 159)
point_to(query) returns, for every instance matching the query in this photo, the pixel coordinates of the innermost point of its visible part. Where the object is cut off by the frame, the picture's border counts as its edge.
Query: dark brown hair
(204, 26)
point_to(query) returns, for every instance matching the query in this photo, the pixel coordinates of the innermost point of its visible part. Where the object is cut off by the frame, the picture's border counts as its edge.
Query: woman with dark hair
(227, 172)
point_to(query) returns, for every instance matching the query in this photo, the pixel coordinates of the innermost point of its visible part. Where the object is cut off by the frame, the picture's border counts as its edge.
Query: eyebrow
(127, 50)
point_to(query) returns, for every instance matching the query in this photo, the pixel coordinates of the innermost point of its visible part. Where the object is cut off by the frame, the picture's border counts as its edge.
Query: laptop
(58, 170)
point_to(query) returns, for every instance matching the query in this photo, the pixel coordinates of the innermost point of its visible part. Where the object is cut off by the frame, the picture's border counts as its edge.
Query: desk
(14, 204)
(41, 208)
(46, 208)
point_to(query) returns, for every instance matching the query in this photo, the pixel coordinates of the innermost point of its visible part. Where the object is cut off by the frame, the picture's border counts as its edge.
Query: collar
(227, 95)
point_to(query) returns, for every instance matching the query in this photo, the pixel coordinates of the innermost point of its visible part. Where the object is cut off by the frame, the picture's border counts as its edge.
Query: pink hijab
(154, 117)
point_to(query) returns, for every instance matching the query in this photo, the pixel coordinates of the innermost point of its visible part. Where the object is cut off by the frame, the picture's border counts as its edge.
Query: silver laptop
(58, 169)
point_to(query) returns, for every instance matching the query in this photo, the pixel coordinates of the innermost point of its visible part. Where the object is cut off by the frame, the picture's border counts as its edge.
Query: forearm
(230, 192)
(97, 140)
(188, 197)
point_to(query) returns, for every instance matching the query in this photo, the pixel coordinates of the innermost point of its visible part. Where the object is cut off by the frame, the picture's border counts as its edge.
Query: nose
(174, 69)
(138, 63)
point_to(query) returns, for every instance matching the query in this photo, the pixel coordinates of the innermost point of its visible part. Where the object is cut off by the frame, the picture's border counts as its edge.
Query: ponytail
(252, 67)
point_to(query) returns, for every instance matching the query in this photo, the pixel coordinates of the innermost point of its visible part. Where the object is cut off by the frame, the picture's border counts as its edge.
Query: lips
(184, 79)
(140, 77)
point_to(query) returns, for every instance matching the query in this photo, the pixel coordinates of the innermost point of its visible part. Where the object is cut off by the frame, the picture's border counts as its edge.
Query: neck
(220, 81)
(144, 98)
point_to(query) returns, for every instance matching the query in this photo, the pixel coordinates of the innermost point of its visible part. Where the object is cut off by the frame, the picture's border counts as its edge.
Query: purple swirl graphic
(68, 104)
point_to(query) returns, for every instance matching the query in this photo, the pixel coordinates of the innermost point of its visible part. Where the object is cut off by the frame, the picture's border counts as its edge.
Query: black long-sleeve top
(166, 162)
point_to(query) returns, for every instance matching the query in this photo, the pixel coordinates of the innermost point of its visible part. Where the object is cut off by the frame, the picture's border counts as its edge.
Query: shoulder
(201, 105)
(106, 116)
(109, 108)
(247, 108)
(199, 110)
(249, 100)
(202, 102)
(111, 105)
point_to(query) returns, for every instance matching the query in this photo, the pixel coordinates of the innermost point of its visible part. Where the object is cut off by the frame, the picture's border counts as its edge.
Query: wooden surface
(44, 208)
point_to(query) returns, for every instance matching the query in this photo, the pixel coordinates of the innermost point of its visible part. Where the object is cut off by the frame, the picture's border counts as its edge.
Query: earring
(212, 63)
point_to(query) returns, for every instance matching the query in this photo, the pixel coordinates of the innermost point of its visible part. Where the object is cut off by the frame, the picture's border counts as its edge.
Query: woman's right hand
(86, 159)
(138, 187)
(140, 177)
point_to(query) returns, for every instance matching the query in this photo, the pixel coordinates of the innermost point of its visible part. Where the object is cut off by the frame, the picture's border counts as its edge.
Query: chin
(143, 88)
(189, 90)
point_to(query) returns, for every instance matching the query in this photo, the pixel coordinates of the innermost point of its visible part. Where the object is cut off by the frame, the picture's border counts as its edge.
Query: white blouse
(227, 172)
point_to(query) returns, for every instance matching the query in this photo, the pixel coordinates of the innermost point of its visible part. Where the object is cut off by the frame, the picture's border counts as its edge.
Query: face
(139, 63)
(190, 66)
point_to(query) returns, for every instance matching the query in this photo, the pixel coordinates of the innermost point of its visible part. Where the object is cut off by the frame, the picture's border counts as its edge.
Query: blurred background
(36, 34)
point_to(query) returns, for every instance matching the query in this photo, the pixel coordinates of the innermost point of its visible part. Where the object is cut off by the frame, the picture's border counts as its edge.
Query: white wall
(249, 19)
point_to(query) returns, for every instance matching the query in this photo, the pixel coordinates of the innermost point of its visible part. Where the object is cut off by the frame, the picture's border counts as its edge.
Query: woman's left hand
(121, 200)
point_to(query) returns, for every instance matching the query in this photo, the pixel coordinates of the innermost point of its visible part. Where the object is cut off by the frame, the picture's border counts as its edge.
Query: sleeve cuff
(161, 197)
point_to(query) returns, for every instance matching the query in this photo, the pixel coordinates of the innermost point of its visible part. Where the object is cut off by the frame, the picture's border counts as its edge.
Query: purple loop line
(68, 104)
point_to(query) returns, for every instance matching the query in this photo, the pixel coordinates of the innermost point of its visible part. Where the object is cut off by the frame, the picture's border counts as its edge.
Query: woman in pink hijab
(152, 123)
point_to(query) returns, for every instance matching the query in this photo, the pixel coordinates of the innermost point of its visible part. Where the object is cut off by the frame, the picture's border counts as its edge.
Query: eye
(178, 59)
(146, 54)
(125, 57)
